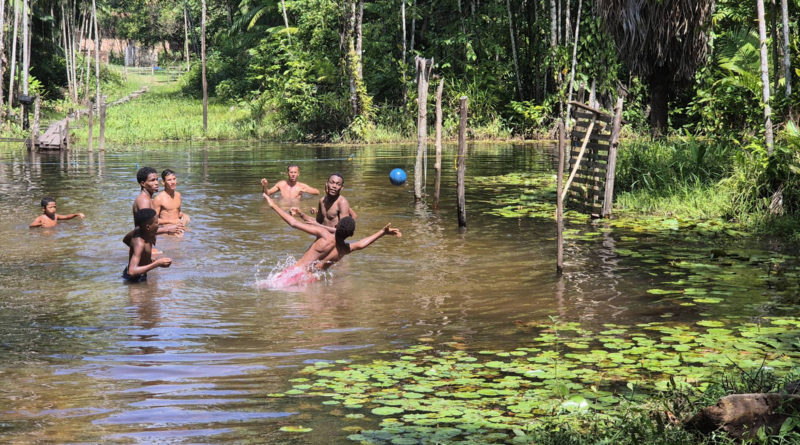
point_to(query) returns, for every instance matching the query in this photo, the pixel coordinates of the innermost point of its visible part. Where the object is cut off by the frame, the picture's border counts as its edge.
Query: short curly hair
(143, 216)
(345, 228)
(144, 173)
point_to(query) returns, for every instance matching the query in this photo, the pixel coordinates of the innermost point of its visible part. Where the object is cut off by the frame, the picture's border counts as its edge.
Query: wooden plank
(580, 192)
(594, 136)
(589, 182)
(583, 106)
(594, 146)
(600, 158)
(601, 118)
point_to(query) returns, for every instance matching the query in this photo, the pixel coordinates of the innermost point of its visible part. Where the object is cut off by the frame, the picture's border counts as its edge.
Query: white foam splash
(285, 275)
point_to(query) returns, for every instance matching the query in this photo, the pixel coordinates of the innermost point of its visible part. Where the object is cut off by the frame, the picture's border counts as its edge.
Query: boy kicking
(141, 240)
(168, 203)
(326, 250)
(50, 217)
(290, 188)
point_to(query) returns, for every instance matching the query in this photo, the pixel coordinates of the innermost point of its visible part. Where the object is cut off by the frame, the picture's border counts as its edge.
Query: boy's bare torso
(46, 221)
(169, 206)
(332, 212)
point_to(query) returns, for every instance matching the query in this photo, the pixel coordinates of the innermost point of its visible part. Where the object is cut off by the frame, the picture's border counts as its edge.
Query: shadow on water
(194, 353)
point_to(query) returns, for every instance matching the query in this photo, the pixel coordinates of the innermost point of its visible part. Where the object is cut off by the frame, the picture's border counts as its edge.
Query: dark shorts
(136, 279)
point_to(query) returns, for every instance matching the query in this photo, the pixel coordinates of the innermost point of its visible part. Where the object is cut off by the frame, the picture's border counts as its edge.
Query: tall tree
(787, 61)
(762, 36)
(2, 36)
(203, 57)
(663, 41)
(186, 36)
(13, 72)
(514, 49)
(25, 46)
(96, 56)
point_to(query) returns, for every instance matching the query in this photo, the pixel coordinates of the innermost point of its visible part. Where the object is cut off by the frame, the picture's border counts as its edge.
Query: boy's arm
(310, 190)
(344, 208)
(36, 222)
(320, 218)
(134, 269)
(309, 220)
(352, 212)
(308, 228)
(362, 244)
(70, 216)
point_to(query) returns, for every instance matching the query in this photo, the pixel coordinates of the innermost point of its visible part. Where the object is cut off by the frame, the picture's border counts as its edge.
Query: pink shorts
(292, 276)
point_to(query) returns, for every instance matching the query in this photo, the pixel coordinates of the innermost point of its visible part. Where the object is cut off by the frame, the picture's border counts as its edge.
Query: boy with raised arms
(168, 203)
(141, 240)
(326, 250)
(290, 188)
(50, 217)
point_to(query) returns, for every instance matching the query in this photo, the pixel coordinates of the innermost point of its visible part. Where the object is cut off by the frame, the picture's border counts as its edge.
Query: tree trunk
(787, 62)
(186, 37)
(462, 164)
(203, 57)
(514, 49)
(359, 100)
(13, 71)
(776, 76)
(413, 24)
(762, 36)
(553, 27)
(574, 61)
(558, 22)
(25, 47)
(88, 55)
(567, 24)
(403, 19)
(286, 21)
(2, 50)
(438, 144)
(659, 100)
(64, 33)
(424, 67)
(96, 54)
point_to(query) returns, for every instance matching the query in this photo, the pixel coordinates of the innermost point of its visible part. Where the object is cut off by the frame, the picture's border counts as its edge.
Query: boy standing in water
(168, 203)
(290, 188)
(50, 218)
(141, 240)
(327, 249)
(332, 207)
(148, 180)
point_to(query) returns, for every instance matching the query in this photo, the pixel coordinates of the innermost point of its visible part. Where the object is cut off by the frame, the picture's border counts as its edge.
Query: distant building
(128, 52)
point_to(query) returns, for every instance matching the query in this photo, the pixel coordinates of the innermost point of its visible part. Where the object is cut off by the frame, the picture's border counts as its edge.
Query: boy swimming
(141, 240)
(50, 217)
(290, 188)
(168, 203)
(326, 250)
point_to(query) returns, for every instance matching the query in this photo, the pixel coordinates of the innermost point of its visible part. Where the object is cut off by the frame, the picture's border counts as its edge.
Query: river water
(190, 356)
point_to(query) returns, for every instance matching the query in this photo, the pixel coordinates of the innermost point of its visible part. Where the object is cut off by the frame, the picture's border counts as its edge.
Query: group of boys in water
(333, 224)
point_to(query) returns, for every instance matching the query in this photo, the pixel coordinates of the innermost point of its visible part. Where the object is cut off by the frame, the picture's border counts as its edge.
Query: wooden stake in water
(559, 202)
(102, 137)
(438, 144)
(66, 128)
(91, 125)
(35, 129)
(462, 164)
(424, 67)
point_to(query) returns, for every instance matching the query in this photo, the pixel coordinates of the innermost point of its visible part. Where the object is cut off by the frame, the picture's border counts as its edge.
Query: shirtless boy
(327, 249)
(168, 203)
(148, 180)
(141, 240)
(50, 218)
(290, 188)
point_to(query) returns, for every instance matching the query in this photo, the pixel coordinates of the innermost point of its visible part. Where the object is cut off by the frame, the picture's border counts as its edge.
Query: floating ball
(397, 176)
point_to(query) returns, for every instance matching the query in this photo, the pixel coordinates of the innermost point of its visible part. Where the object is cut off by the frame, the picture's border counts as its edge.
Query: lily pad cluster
(423, 395)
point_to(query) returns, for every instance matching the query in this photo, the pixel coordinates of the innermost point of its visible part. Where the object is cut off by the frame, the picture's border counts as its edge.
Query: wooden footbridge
(56, 137)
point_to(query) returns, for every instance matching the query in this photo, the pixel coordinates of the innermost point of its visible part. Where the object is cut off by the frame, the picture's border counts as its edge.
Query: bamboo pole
(438, 144)
(580, 156)
(203, 56)
(424, 67)
(91, 124)
(462, 163)
(101, 144)
(560, 203)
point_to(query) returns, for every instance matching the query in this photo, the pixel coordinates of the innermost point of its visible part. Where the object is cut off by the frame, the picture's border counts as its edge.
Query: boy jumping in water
(168, 203)
(327, 249)
(50, 218)
(141, 240)
(290, 188)
(148, 180)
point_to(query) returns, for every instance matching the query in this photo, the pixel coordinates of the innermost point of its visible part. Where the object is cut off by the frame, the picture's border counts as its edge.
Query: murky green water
(191, 355)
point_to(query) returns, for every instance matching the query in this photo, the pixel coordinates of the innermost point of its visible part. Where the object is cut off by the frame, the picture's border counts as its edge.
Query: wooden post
(438, 165)
(102, 136)
(35, 128)
(462, 163)
(91, 124)
(67, 128)
(612, 158)
(424, 67)
(203, 60)
(559, 202)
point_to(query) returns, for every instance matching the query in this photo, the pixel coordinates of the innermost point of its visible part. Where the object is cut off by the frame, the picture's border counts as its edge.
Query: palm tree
(663, 41)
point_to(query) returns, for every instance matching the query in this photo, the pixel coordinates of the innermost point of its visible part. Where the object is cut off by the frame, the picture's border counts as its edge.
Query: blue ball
(397, 176)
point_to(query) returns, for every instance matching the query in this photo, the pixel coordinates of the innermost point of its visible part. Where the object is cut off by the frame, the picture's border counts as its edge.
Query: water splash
(286, 275)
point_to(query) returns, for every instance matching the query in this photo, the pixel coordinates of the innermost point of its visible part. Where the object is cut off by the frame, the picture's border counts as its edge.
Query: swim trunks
(293, 276)
(136, 279)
